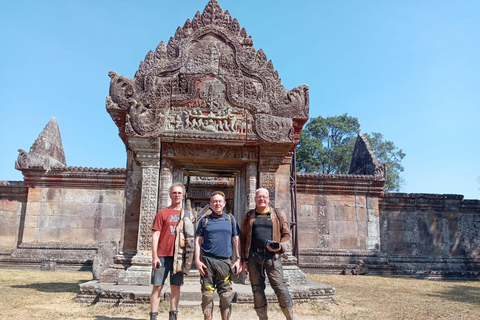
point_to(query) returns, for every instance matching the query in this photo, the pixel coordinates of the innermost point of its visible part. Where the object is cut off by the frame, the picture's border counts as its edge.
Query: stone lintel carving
(208, 83)
(364, 161)
(197, 193)
(188, 150)
(46, 152)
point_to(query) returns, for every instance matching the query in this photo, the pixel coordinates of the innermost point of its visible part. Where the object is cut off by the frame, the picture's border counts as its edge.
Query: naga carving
(208, 82)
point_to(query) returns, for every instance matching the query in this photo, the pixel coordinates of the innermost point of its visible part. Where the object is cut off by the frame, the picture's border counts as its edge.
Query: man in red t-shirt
(163, 246)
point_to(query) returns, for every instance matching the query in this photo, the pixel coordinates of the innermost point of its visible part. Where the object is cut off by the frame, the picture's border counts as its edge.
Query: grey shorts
(159, 276)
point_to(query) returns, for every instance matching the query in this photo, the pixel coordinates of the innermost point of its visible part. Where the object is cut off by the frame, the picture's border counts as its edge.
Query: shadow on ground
(52, 286)
(460, 293)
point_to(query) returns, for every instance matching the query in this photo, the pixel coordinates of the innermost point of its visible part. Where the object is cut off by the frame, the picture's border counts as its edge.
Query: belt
(206, 254)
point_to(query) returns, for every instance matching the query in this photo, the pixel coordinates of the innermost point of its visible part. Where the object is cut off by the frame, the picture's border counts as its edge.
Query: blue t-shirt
(217, 234)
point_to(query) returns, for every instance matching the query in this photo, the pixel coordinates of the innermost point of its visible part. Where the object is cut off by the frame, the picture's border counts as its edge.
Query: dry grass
(32, 294)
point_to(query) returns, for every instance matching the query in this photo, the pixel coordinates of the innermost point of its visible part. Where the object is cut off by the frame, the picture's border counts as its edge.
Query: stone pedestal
(292, 273)
(139, 273)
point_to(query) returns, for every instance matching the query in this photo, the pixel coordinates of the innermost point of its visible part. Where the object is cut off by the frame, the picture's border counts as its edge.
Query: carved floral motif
(212, 151)
(208, 78)
(148, 207)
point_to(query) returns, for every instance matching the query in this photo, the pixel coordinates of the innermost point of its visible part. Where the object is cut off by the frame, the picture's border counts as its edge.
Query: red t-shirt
(166, 222)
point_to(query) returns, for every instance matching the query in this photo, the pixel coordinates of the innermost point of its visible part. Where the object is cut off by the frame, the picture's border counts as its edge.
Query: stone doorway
(204, 169)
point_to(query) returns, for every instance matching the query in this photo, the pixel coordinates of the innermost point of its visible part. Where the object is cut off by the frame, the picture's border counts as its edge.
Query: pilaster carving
(147, 154)
(267, 181)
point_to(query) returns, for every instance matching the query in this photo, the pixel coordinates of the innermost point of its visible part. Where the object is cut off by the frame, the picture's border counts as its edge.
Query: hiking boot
(172, 315)
(153, 315)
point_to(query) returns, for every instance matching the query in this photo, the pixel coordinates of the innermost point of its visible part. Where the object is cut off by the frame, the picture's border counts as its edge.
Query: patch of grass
(26, 294)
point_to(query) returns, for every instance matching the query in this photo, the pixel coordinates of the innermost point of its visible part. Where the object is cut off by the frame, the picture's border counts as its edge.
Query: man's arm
(155, 260)
(236, 247)
(198, 263)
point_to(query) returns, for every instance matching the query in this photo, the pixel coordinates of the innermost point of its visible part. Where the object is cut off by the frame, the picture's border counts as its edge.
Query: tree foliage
(387, 152)
(326, 146)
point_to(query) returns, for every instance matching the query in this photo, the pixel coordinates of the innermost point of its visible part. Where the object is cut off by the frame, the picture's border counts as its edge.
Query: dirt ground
(34, 294)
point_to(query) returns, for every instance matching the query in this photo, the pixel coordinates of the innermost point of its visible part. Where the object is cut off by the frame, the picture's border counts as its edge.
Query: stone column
(147, 154)
(250, 185)
(166, 180)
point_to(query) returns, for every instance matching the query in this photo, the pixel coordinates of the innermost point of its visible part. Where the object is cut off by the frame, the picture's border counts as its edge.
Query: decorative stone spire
(46, 152)
(364, 161)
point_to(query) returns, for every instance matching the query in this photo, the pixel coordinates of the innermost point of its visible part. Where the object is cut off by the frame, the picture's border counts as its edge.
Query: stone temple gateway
(209, 109)
(206, 106)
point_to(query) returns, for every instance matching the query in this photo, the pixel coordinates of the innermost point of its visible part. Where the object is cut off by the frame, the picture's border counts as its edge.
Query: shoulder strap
(250, 212)
(206, 220)
(276, 213)
(229, 217)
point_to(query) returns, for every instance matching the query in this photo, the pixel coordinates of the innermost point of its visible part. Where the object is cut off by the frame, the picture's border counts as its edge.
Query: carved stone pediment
(46, 152)
(209, 84)
(364, 161)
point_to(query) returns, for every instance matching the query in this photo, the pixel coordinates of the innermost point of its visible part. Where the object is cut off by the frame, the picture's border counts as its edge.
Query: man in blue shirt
(217, 235)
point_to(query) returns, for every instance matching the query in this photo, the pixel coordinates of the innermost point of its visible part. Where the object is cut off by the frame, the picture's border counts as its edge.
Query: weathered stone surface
(364, 161)
(104, 257)
(46, 152)
(208, 83)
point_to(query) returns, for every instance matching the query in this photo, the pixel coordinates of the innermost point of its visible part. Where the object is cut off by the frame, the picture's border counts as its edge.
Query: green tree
(326, 146)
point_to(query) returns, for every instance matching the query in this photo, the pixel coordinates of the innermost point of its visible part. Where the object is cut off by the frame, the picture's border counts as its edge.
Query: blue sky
(407, 69)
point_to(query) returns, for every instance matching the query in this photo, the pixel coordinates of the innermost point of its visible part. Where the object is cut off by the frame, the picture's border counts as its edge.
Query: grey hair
(262, 189)
(176, 184)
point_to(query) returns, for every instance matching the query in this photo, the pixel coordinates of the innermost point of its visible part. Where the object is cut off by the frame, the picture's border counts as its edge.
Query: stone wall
(72, 216)
(13, 197)
(338, 220)
(59, 218)
(344, 219)
(431, 233)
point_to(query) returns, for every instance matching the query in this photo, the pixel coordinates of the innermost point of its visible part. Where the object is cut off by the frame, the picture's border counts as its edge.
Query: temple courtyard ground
(34, 294)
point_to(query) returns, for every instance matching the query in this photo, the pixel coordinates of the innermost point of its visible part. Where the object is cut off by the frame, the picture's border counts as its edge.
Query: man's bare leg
(155, 298)
(174, 297)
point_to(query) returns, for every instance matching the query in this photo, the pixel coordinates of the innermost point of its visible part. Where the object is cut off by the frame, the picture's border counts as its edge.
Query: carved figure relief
(208, 79)
(212, 151)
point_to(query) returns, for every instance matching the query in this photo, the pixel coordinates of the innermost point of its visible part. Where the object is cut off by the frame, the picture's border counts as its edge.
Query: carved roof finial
(46, 152)
(364, 161)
